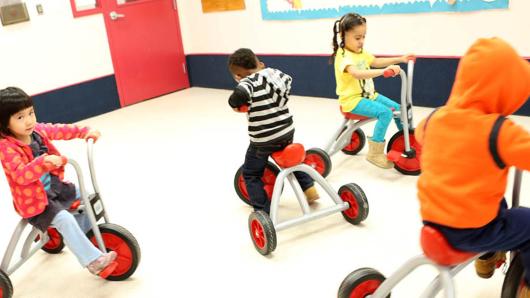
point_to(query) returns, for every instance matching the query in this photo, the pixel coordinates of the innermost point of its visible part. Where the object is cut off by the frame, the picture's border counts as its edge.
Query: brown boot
(486, 267)
(524, 292)
(311, 194)
(377, 156)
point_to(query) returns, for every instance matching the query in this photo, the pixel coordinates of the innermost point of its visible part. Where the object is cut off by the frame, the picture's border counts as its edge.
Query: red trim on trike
(124, 258)
(349, 197)
(55, 239)
(365, 288)
(258, 234)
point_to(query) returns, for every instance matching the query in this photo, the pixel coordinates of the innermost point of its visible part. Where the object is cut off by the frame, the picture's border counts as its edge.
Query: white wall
(53, 50)
(440, 34)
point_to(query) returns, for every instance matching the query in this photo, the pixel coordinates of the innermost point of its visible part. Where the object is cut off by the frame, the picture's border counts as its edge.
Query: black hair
(346, 23)
(12, 101)
(243, 58)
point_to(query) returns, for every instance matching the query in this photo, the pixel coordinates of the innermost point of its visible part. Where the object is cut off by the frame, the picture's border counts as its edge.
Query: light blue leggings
(379, 108)
(71, 228)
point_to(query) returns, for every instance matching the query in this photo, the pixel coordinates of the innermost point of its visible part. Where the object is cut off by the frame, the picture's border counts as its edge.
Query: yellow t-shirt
(350, 89)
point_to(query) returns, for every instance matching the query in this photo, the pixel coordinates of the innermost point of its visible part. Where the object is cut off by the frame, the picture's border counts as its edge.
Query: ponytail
(334, 42)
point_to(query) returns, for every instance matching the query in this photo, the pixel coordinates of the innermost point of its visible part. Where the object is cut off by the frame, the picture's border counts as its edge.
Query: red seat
(292, 155)
(436, 248)
(351, 116)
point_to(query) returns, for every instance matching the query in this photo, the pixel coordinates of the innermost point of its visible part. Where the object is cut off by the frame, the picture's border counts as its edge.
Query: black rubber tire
(513, 278)
(129, 255)
(262, 232)
(414, 145)
(6, 287)
(238, 178)
(319, 160)
(357, 134)
(355, 196)
(56, 243)
(358, 277)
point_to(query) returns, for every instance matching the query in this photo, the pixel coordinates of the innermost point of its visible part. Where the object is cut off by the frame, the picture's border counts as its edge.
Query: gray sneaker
(101, 263)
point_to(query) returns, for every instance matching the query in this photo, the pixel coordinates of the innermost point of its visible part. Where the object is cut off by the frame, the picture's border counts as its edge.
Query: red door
(146, 48)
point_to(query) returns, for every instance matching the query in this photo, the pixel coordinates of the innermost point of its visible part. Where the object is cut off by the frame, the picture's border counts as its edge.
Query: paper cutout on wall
(13, 13)
(315, 9)
(222, 5)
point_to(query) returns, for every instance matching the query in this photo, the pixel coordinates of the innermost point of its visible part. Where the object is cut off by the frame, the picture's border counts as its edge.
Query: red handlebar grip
(243, 108)
(388, 73)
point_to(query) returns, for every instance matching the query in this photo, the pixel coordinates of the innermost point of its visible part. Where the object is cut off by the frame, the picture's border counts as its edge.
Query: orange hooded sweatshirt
(461, 186)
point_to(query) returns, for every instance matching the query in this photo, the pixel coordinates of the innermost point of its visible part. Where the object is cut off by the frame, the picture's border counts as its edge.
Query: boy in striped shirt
(270, 125)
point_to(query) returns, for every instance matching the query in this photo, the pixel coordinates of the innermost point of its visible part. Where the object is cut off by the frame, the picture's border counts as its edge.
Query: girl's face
(354, 38)
(22, 123)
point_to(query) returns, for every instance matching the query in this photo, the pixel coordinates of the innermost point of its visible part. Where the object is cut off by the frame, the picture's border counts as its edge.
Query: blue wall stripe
(77, 102)
(313, 76)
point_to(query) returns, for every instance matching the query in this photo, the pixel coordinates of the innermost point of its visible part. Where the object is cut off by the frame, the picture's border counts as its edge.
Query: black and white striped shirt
(266, 92)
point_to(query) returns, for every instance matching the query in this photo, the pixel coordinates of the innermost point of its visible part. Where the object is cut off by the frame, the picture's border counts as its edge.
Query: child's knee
(386, 115)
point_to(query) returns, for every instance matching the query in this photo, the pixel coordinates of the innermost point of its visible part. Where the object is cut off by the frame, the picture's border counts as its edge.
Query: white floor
(165, 169)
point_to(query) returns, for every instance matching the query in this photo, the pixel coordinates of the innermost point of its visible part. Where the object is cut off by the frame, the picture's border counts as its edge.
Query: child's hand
(394, 68)
(55, 160)
(93, 134)
(407, 57)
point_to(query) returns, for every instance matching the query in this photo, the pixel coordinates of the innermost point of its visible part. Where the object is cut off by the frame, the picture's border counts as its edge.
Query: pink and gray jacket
(23, 170)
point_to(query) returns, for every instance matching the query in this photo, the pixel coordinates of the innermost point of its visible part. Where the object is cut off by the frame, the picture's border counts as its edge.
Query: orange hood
(492, 78)
(461, 185)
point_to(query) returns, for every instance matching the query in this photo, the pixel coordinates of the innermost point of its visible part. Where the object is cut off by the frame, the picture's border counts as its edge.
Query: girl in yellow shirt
(355, 86)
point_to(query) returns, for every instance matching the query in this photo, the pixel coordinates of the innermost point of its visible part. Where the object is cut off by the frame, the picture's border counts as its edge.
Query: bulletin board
(316, 9)
(222, 5)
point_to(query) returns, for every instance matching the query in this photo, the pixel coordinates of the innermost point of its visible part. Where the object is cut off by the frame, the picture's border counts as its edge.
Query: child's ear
(261, 65)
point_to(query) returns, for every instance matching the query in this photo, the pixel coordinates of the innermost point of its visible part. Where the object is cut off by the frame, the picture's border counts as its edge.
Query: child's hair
(12, 101)
(243, 58)
(346, 23)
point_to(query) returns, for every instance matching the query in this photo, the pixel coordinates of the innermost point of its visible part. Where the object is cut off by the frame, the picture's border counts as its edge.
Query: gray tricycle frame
(94, 213)
(308, 215)
(343, 135)
(444, 279)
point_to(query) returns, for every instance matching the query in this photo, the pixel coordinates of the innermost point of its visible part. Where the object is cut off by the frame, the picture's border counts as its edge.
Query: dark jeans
(253, 168)
(510, 230)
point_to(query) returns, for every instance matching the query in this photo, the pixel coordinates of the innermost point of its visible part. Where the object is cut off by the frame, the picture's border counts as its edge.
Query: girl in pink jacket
(35, 170)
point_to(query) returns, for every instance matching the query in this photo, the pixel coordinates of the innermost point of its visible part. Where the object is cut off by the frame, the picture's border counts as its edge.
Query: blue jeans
(75, 238)
(379, 108)
(255, 162)
(510, 230)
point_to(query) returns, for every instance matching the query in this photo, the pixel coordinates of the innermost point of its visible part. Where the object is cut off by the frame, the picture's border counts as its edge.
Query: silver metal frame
(444, 279)
(343, 135)
(308, 215)
(29, 247)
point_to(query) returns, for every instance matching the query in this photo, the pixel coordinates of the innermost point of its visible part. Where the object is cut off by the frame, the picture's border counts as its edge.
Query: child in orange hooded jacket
(468, 148)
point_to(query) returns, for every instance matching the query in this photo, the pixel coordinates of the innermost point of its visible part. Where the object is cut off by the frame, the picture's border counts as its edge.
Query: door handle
(114, 15)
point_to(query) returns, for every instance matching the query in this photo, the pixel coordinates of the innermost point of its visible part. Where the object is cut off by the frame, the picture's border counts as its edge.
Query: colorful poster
(222, 5)
(316, 9)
